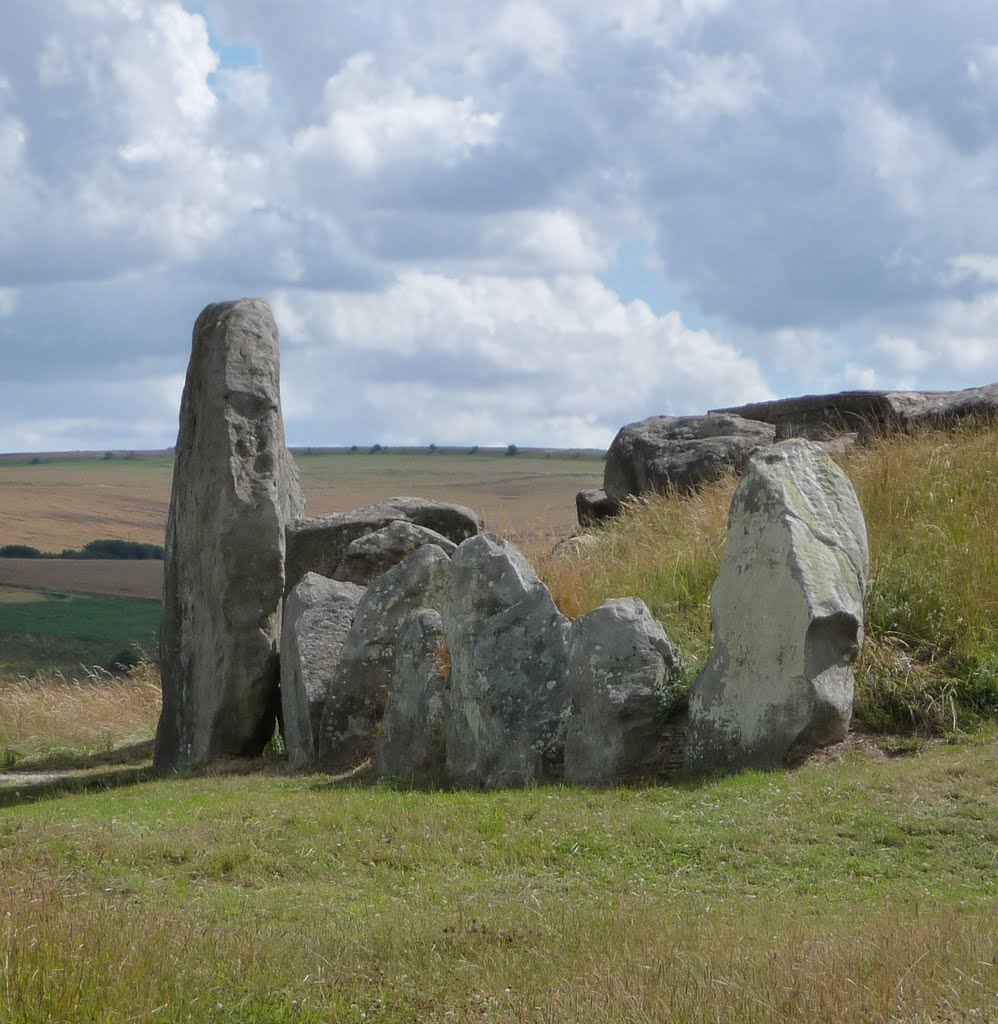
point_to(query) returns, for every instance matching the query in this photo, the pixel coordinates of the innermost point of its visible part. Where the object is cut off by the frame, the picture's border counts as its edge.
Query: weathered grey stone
(318, 614)
(366, 558)
(620, 665)
(577, 548)
(412, 740)
(594, 506)
(235, 486)
(364, 674)
(787, 613)
(681, 452)
(319, 544)
(509, 653)
(823, 416)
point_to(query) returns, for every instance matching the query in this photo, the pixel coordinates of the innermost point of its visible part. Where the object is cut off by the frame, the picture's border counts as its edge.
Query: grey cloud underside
(806, 167)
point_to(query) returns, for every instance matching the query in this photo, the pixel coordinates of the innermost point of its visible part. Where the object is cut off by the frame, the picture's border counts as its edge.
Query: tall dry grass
(666, 550)
(931, 658)
(51, 718)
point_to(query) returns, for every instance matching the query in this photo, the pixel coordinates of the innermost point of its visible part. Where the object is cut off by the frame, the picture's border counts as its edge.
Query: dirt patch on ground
(876, 746)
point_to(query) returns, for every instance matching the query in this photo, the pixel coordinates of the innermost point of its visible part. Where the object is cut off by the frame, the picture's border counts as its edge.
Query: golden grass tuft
(48, 714)
(666, 550)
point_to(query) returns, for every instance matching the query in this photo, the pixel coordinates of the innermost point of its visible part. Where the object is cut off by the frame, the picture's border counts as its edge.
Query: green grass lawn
(263, 898)
(43, 632)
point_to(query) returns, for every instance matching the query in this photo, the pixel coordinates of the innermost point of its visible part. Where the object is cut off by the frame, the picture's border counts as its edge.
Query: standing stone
(509, 654)
(235, 486)
(412, 740)
(318, 614)
(620, 665)
(595, 506)
(365, 672)
(787, 611)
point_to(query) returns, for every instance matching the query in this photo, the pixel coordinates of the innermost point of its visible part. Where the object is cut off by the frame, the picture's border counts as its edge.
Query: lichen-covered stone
(318, 615)
(319, 544)
(787, 612)
(508, 646)
(681, 453)
(366, 558)
(412, 741)
(235, 486)
(620, 665)
(365, 671)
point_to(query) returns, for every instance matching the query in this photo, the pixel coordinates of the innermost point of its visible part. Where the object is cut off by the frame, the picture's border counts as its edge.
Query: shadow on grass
(61, 760)
(35, 786)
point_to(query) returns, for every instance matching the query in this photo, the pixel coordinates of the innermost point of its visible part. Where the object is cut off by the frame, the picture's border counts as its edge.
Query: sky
(487, 222)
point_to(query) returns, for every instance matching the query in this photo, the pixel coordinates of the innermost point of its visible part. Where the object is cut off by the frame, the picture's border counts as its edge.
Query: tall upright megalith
(235, 486)
(787, 612)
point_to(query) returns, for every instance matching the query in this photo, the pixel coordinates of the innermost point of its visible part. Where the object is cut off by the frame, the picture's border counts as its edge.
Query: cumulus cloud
(492, 360)
(431, 192)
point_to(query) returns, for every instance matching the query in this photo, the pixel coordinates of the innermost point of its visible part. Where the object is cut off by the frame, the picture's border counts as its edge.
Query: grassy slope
(931, 657)
(757, 898)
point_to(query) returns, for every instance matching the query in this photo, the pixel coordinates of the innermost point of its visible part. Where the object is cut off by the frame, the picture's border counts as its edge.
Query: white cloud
(978, 266)
(903, 354)
(705, 88)
(561, 359)
(372, 120)
(534, 29)
(438, 183)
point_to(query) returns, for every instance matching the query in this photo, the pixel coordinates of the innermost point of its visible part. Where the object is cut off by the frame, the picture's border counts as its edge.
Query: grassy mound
(930, 663)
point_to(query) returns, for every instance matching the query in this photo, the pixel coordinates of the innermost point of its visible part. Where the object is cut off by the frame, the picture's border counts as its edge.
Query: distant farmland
(143, 579)
(58, 502)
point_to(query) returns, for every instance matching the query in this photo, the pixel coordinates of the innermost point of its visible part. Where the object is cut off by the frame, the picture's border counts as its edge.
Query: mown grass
(930, 663)
(273, 898)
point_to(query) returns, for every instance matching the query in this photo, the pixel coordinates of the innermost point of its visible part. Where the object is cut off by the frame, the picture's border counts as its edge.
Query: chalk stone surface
(787, 611)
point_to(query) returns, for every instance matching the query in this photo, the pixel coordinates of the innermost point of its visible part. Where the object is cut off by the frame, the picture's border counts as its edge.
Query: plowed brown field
(64, 503)
(72, 576)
